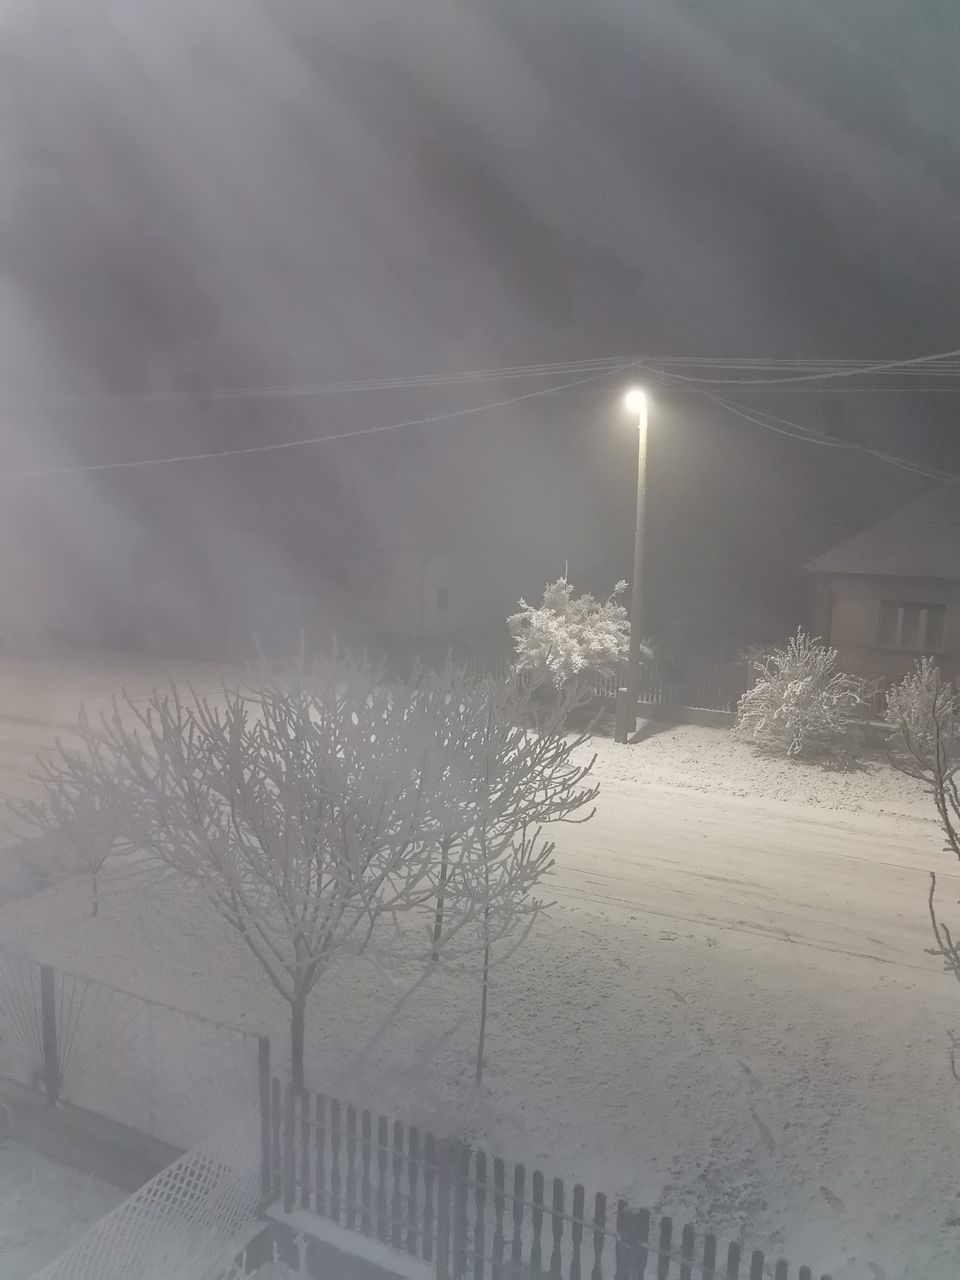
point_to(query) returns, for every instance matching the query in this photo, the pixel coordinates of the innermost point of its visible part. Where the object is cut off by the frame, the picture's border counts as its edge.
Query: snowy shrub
(800, 704)
(566, 639)
(921, 715)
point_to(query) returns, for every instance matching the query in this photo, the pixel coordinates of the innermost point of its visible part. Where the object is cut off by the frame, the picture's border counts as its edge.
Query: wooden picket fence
(467, 1214)
(700, 685)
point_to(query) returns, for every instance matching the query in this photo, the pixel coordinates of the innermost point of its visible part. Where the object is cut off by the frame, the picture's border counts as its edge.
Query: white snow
(729, 1014)
(44, 1208)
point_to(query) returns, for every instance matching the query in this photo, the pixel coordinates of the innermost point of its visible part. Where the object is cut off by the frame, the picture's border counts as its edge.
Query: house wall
(482, 588)
(408, 602)
(853, 607)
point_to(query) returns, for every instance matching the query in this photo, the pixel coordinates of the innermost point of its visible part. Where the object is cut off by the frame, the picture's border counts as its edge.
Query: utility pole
(627, 699)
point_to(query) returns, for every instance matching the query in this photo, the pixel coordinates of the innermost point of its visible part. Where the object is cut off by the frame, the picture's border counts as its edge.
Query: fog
(241, 195)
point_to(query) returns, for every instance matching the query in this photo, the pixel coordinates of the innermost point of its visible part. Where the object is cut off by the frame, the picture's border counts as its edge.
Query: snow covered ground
(44, 1208)
(729, 1014)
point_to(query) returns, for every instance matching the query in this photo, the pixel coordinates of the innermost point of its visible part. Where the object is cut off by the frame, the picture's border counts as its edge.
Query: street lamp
(636, 402)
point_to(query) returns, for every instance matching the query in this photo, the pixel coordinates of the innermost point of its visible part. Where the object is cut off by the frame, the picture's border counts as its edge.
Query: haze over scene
(234, 194)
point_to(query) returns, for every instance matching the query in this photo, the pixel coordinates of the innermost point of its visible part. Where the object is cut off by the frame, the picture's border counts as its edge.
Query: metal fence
(473, 1217)
(184, 1224)
(162, 1070)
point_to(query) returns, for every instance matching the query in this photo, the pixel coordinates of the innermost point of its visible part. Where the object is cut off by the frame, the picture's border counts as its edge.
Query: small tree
(923, 716)
(296, 807)
(76, 819)
(566, 639)
(800, 704)
(503, 782)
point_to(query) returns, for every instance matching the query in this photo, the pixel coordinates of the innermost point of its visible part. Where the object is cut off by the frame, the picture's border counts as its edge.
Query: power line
(312, 440)
(817, 370)
(796, 431)
(304, 390)
(847, 372)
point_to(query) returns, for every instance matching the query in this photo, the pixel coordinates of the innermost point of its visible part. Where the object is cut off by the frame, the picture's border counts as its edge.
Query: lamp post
(637, 404)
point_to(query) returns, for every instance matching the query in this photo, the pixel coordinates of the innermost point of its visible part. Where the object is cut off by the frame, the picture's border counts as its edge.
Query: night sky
(227, 194)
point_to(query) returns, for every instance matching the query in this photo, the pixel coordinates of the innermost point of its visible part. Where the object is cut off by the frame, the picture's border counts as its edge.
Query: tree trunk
(483, 1012)
(438, 915)
(96, 894)
(298, 1019)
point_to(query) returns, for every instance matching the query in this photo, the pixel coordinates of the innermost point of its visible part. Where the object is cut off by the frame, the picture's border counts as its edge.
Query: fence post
(444, 1182)
(289, 1152)
(48, 1020)
(622, 720)
(263, 1073)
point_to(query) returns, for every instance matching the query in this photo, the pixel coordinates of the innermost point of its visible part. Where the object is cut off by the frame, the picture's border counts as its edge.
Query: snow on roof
(921, 540)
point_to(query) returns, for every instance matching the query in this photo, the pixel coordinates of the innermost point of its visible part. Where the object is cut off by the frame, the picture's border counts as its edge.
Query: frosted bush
(921, 714)
(567, 638)
(800, 705)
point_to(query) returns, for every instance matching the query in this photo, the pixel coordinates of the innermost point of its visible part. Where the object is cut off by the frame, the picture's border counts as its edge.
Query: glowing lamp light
(635, 402)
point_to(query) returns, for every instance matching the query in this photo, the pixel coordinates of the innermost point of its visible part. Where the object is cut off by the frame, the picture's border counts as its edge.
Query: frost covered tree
(503, 782)
(801, 704)
(923, 717)
(298, 808)
(568, 639)
(76, 820)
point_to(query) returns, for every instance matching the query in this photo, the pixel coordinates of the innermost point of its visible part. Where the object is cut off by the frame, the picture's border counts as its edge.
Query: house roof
(921, 540)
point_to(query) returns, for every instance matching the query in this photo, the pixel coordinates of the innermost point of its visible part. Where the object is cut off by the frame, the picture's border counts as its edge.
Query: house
(892, 593)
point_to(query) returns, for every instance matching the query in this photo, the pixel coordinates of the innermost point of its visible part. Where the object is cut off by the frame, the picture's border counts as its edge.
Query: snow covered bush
(921, 714)
(567, 639)
(801, 704)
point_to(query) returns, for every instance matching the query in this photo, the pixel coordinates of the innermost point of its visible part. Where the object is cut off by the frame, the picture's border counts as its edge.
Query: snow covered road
(852, 884)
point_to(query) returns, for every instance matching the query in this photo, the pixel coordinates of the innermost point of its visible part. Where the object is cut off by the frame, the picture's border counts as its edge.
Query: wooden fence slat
(366, 1191)
(444, 1181)
(351, 1189)
(516, 1247)
(429, 1181)
(756, 1265)
(460, 1189)
(621, 1265)
(335, 1141)
(663, 1248)
(687, 1245)
(498, 1204)
(642, 1217)
(579, 1198)
(321, 1145)
(599, 1235)
(479, 1227)
(276, 1116)
(263, 1080)
(413, 1175)
(289, 1153)
(382, 1139)
(395, 1223)
(557, 1228)
(536, 1245)
(709, 1254)
(306, 1150)
(780, 1273)
(733, 1262)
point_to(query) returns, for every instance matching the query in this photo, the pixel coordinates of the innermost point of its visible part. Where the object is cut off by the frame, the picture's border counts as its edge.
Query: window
(918, 627)
(443, 598)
